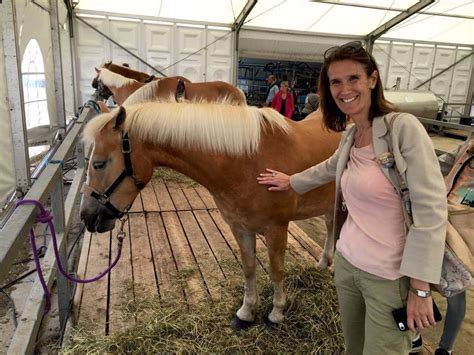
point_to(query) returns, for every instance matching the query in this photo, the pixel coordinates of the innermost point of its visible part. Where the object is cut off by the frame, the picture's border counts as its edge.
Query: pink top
(373, 237)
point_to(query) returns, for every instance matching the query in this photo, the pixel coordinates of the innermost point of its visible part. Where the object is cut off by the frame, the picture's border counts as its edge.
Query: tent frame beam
(379, 31)
(385, 8)
(14, 86)
(236, 27)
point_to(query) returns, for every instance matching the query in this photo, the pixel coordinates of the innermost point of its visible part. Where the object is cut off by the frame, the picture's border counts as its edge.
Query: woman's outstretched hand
(277, 180)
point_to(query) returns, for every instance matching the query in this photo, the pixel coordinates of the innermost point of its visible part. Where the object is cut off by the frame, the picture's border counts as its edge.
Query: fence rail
(15, 230)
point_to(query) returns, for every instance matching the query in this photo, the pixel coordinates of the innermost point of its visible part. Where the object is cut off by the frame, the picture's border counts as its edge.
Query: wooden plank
(210, 270)
(144, 279)
(165, 265)
(94, 298)
(188, 271)
(81, 273)
(306, 242)
(137, 204)
(121, 281)
(163, 197)
(192, 196)
(177, 195)
(298, 252)
(219, 246)
(150, 203)
(206, 197)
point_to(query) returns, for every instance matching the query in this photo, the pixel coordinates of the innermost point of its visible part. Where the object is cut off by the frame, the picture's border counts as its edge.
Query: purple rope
(45, 217)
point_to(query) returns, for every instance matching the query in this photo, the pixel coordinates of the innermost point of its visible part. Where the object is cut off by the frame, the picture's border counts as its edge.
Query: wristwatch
(421, 293)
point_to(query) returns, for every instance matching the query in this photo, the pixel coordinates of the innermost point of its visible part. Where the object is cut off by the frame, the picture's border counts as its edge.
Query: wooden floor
(173, 228)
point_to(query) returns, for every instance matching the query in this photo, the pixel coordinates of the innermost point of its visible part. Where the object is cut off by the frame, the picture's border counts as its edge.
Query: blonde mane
(144, 94)
(111, 79)
(209, 126)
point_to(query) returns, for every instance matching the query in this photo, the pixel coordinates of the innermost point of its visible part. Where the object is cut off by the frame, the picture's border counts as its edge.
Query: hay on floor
(312, 322)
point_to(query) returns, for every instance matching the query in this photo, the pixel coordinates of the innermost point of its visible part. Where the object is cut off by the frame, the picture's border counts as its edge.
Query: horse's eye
(98, 165)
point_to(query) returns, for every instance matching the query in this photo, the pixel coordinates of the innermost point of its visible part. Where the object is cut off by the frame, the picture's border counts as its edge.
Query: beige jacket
(415, 158)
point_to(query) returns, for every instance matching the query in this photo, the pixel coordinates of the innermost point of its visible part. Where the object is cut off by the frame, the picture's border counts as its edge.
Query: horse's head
(101, 90)
(117, 171)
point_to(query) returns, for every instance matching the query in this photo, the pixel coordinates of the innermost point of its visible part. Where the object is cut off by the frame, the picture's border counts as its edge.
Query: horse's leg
(276, 238)
(328, 251)
(245, 316)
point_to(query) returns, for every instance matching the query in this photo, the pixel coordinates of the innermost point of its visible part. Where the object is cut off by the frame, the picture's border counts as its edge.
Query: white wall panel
(128, 35)
(219, 56)
(422, 66)
(400, 64)
(188, 41)
(381, 53)
(460, 82)
(444, 57)
(159, 46)
(93, 50)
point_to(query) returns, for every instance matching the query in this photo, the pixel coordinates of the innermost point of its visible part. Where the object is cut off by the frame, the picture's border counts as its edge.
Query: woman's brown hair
(334, 118)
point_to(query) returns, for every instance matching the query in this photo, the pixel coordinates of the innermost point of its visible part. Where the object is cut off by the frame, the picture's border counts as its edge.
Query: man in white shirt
(272, 90)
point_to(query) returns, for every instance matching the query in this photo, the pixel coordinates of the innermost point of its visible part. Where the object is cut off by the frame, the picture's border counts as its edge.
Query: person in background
(283, 101)
(272, 89)
(380, 264)
(311, 102)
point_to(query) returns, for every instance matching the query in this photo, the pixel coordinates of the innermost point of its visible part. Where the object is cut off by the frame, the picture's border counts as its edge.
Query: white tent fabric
(444, 21)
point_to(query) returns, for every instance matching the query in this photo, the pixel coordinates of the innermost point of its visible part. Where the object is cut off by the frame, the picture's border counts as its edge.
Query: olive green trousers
(366, 303)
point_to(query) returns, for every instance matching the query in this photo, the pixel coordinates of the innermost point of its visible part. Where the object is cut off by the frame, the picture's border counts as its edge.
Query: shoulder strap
(402, 184)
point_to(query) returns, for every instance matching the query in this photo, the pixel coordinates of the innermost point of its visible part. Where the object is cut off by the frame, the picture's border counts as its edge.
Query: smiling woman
(377, 259)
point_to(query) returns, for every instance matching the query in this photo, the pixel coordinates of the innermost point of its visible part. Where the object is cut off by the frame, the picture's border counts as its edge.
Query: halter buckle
(103, 199)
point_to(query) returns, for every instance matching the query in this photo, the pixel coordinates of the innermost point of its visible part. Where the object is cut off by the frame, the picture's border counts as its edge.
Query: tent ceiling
(446, 21)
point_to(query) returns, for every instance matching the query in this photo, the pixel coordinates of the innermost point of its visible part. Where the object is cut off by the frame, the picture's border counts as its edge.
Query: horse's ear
(120, 117)
(97, 70)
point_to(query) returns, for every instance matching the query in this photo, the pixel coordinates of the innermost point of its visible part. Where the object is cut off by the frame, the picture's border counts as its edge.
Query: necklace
(363, 137)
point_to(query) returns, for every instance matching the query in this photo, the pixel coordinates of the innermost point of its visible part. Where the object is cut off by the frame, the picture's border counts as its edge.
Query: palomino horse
(223, 147)
(129, 73)
(110, 83)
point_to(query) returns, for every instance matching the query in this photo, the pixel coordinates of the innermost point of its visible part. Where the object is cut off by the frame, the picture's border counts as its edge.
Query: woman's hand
(419, 309)
(278, 180)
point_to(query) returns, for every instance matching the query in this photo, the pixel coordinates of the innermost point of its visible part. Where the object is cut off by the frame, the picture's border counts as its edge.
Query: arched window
(34, 92)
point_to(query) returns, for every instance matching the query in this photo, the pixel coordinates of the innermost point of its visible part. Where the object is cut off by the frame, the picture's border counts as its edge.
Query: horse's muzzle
(98, 221)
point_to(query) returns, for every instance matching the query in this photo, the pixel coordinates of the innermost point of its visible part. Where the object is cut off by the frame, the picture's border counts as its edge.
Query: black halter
(104, 198)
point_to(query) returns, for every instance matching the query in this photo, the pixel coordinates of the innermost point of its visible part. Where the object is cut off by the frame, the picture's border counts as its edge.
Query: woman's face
(283, 88)
(351, 87)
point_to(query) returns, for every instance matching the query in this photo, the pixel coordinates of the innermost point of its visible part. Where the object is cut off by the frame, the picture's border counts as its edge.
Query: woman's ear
(373, 79)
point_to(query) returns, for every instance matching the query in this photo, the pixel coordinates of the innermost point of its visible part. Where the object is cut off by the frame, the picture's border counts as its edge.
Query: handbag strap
(402, 187)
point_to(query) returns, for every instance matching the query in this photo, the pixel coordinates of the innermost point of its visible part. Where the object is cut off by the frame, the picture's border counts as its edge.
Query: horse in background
(120, 87)
(224, 148)
(126, 71)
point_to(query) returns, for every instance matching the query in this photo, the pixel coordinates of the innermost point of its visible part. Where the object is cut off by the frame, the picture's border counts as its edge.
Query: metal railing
(15, 230)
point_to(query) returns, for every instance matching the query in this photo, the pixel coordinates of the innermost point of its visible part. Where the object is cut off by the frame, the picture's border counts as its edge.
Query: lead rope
(44, 216)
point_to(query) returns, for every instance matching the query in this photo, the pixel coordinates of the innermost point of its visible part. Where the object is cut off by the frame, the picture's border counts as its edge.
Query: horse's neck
(129, 73)
(195, 164)
(122, 93)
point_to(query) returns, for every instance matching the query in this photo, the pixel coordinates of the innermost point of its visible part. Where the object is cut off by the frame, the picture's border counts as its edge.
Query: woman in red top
(283, 101)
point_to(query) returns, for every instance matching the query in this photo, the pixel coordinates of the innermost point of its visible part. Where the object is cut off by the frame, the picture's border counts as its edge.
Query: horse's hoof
(238, 324)
(271, 324)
